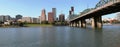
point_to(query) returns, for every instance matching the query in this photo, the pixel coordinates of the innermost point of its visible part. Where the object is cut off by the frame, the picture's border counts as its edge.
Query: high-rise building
(43, 15)
(61, 17)
(72, 10)
(27, 19)
(71, 13)
(54, 13)
(50, 17)
(18, 17)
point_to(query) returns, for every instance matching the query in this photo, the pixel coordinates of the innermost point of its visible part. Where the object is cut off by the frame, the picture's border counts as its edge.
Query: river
(60, 36)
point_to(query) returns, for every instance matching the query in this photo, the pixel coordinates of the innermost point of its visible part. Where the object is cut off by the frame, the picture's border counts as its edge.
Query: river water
(60, 36)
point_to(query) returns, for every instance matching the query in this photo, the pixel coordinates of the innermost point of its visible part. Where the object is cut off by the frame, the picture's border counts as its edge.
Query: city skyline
(33, 8)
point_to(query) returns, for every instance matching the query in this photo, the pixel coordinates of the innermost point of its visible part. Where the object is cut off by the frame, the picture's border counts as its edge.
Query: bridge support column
(82, 23)
(70, 24)
(74, 24)
(79, 23)
(97, 22)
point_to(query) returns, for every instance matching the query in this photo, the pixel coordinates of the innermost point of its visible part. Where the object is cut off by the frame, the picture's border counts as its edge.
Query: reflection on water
(60, 36)
(98, 38)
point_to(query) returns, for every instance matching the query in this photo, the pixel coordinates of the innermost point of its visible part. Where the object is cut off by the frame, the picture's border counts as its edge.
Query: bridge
(103, 7)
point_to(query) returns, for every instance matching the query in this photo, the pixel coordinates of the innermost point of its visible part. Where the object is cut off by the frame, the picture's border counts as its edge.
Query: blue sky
(33, 8)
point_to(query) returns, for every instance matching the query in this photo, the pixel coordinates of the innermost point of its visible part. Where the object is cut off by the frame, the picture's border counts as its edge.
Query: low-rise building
(35, 20)
(61, 17)
(27, 19)
(4, 18)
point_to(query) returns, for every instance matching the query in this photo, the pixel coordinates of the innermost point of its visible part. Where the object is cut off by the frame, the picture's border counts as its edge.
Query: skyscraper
(50, 17)
(54, 13)
(43, 15)
(61, 17)
(72, 10)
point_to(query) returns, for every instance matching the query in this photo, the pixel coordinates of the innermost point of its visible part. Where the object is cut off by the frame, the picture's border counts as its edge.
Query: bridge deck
(108, 8)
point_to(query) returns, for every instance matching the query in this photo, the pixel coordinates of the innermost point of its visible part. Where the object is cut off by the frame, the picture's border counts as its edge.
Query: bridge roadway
(96, 15)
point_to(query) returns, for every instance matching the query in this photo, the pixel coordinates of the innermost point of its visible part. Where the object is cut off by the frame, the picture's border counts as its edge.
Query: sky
(33, 8)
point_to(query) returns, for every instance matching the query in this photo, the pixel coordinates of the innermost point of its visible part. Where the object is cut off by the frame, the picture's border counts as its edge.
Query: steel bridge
(103, 7)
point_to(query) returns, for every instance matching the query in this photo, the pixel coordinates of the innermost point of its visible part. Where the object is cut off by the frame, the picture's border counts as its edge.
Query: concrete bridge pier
(97, 22)
(70, 24)
(83, 23)
(77, 23)
(80, 24)
(74, 24)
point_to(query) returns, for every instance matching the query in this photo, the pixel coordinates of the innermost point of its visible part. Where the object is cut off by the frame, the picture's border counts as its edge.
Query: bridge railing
(103, 2)
(85, 11)
(73, 16)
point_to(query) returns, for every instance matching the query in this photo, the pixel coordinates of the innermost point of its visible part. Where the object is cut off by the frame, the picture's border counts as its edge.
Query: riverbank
(27, 25)
(112, 24)
(11, 26)
(37, 25)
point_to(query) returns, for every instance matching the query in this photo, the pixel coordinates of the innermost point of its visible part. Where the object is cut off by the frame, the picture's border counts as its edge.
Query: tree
(44, 22)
